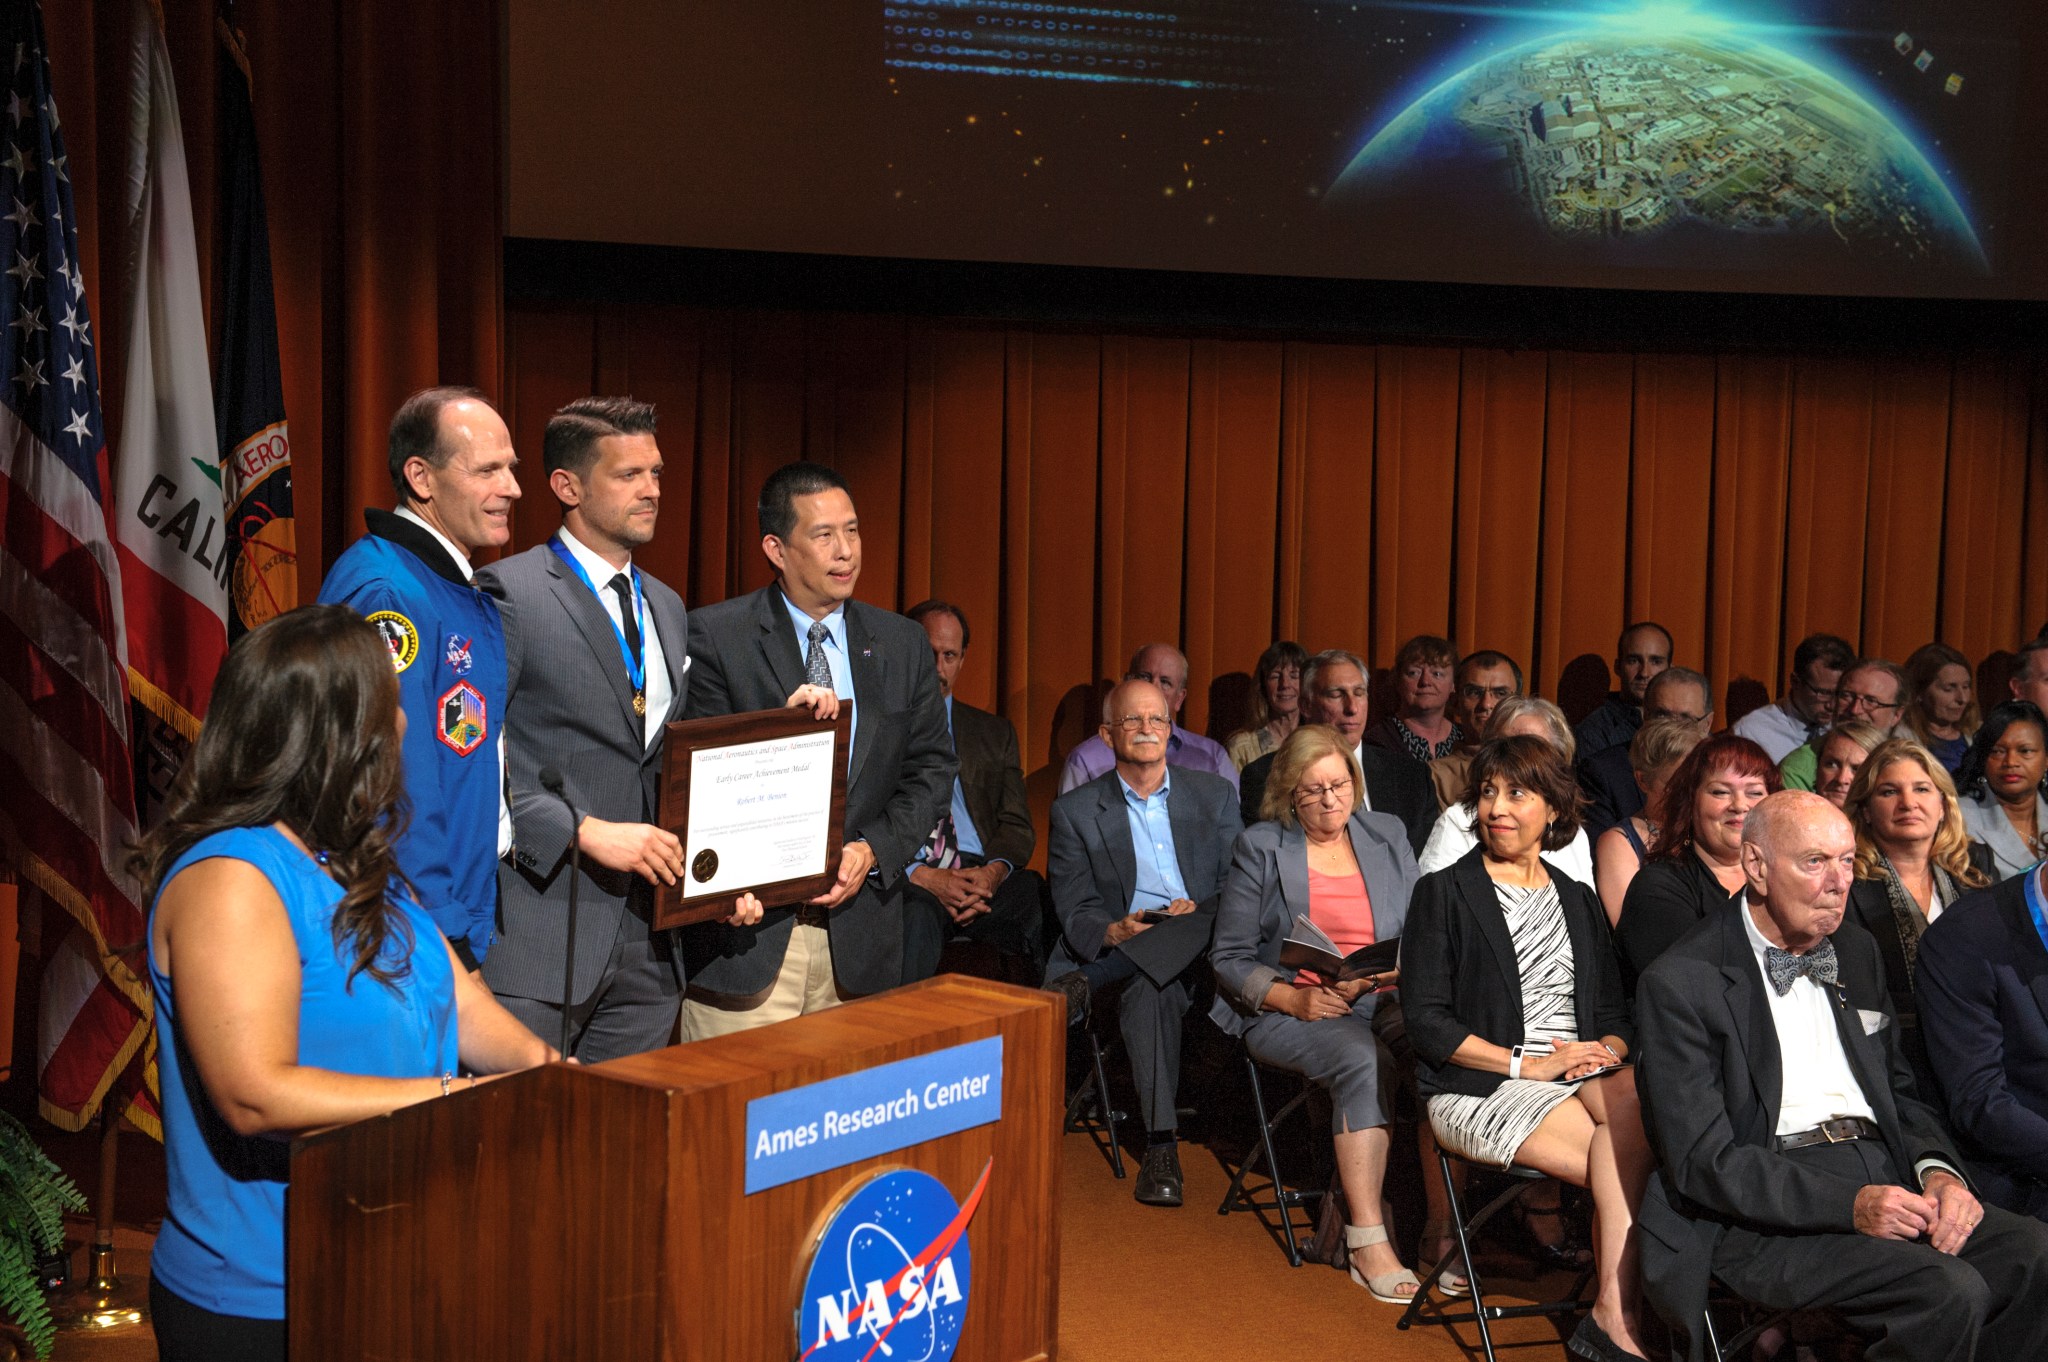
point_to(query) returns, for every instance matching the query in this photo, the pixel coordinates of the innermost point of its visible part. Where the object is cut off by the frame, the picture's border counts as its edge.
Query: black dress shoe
(1589, 1340)
(1073, 986)
(1159, 1178)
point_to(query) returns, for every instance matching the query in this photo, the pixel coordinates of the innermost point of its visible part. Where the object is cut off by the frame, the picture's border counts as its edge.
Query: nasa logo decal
(399, 636)
(891, 1273)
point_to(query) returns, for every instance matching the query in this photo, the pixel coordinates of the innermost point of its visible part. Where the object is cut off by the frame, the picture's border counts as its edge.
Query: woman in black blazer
(1514, 1006)
(1913, 859)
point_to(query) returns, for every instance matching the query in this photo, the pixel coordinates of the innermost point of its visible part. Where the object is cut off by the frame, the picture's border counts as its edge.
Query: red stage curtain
(1080, 492)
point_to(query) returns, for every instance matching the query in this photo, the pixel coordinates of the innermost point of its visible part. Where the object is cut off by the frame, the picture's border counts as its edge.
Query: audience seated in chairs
(1795, 1162)
(1454, 835)
(1336, 690)
(1618, 853)
(2000, 787)
(1696, 868)
(1137, 858)
(1608, 778)
(1166, 667)
(1275, 707)
(1350, 872)
(1640, 653)
(1419, 728)
(1842, 751)
(1913, 860)
(1485, 678)
(972, 878)
(1941, 704)
(1807, 707)
(1513, 1005)
(1980, 981)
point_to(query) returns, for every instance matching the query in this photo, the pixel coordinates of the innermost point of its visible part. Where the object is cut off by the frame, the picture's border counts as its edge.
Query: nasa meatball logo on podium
(891, 1273)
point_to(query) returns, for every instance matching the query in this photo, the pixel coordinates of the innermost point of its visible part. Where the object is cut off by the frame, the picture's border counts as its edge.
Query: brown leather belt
(811, 915)
(1831, 1132)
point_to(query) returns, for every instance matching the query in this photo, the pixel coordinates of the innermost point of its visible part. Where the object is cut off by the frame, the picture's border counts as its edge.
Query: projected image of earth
(1665, 141)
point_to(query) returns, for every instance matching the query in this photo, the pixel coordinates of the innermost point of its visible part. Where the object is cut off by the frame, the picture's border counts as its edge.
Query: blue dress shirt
(1159, 879)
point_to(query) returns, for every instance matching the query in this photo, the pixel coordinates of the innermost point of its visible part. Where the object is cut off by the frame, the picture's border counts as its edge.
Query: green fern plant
(34, 1198)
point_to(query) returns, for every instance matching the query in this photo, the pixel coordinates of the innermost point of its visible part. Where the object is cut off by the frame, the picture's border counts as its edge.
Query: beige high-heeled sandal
(1382, 1285)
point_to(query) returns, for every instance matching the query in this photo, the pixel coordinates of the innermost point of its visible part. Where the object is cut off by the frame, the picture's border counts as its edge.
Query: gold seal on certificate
(758, 801)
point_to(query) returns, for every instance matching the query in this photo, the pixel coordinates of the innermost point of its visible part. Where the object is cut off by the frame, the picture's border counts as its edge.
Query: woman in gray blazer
(1349, 871)
(2000, 785)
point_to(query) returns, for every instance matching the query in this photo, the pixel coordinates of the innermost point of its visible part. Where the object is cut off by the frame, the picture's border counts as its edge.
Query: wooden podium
(600, 1213)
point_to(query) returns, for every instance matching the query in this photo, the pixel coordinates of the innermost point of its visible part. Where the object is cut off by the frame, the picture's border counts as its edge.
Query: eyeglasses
(1852, 701)
(1321, 794)
(1135, 723)
(1817, 692)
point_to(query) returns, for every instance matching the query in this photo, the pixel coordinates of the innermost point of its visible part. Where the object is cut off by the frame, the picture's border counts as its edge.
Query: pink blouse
(1340, 906)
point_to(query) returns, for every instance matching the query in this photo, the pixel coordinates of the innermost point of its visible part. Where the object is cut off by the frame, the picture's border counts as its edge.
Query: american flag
(69, 813)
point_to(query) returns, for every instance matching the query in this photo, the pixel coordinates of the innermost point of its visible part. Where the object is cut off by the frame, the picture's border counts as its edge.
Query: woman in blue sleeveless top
(297, 983)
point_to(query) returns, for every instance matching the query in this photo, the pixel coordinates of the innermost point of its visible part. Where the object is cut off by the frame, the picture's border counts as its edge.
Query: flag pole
(103, 1300)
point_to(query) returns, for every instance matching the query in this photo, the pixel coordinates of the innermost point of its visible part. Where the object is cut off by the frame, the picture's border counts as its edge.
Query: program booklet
(1309, 947)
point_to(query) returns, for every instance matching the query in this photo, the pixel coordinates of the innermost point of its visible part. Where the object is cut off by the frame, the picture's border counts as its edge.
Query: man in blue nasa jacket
(410, 576)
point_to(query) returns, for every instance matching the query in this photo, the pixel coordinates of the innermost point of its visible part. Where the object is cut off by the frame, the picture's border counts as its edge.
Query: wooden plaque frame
(684, 739)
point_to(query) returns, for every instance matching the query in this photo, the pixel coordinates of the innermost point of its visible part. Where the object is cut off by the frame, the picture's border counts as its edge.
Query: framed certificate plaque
(759, 802)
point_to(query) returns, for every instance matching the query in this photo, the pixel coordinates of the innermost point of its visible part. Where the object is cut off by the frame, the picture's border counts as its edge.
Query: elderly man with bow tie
(1798, 1164)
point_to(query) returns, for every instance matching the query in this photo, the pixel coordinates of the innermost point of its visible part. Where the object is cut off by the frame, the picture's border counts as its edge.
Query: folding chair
(1268, 1194)
(1423, 1310)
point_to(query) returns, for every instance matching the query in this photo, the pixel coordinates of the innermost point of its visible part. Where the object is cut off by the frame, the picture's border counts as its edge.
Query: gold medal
(639, 704)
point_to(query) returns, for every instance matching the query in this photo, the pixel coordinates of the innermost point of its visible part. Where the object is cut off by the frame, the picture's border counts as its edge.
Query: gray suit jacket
(1093, 869)
(1268, 887)
(570, 707)
(744, 657)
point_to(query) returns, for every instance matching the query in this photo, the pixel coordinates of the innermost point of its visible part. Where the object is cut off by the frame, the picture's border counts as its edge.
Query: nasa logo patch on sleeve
(399, 636)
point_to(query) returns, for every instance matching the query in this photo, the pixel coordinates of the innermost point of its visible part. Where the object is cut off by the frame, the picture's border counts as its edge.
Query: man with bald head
(1137, 858)
(1642, 651)
(1166, 667)
(1798, 1165)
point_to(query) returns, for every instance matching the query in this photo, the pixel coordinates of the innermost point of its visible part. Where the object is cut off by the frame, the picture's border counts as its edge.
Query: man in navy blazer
(1137, 859)
(1982, 988)
(749, 653)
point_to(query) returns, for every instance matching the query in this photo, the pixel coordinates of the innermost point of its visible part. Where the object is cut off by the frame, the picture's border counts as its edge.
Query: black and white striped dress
(1490, 1129)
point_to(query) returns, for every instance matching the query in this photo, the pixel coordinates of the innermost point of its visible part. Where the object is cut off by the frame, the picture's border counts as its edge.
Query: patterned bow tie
(1817, 964)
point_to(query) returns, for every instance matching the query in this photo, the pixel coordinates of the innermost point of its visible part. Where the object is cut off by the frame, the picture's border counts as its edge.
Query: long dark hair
(302, 730)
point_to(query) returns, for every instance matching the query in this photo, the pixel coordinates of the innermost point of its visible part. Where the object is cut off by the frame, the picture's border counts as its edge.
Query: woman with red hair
(1697, 865)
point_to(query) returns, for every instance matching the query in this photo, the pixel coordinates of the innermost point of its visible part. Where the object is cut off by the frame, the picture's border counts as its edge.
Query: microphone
(551, 781)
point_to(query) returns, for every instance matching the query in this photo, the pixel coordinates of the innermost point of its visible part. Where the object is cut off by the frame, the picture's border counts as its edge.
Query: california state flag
(168, 524)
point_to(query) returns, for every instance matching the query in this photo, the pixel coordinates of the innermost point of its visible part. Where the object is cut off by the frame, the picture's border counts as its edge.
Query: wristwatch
(1515, 1062)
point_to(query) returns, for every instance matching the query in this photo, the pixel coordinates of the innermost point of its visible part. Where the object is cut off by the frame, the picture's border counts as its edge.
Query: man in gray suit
(596, 664)
(1137, 859)
(746, 654)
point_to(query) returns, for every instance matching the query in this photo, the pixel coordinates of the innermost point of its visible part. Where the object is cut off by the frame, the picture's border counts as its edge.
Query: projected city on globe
(1797, 141)
(1856, 147)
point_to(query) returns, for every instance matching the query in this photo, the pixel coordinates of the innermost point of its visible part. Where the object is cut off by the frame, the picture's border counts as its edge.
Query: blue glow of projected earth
(1667, 137)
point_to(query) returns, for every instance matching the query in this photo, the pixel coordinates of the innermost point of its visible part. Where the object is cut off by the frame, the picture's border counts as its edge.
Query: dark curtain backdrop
(377, 122)
(1081, 493)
